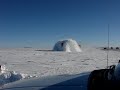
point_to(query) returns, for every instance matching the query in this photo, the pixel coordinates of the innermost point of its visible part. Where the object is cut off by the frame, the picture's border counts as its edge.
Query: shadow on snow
(76, 82)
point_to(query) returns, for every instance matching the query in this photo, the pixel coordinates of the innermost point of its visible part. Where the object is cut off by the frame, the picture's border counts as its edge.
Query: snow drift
(10, 76)
(68, 45)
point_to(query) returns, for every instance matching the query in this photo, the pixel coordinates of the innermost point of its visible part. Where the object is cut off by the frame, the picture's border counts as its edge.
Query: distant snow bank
(11, 76)
(68, 45)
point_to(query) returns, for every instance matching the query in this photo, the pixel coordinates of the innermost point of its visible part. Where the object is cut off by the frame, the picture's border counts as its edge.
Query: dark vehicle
(111, 47)
(117, 47)
(105, 79)
(105, 48)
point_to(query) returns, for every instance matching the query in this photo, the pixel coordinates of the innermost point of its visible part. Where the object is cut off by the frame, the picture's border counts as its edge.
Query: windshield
(44, 38)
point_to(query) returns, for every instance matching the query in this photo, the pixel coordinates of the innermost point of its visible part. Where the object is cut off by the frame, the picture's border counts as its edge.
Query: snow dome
(68, 45)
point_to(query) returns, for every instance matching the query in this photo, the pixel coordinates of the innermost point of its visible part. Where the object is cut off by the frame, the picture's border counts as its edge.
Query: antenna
(108, 45)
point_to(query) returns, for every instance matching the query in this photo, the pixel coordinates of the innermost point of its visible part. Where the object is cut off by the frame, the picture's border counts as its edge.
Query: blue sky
(41, 23)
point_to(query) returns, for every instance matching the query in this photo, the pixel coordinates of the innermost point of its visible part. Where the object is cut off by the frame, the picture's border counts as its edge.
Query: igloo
(68, 45)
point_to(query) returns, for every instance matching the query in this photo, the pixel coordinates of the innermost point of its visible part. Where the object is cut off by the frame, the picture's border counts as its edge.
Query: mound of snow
(10, 76)
(68, 45)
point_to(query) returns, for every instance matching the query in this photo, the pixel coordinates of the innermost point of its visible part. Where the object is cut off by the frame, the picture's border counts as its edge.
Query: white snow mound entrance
(68, 45)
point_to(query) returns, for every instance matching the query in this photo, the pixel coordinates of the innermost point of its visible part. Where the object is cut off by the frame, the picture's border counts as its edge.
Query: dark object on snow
(105, 48)
(119, 61)
(80, 46)
(111, 47)
(100, 80)
(117, 47)
(62, 44)
(0, 68)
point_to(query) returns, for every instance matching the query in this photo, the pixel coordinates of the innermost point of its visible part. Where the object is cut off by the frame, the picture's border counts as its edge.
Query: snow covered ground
(30, 62)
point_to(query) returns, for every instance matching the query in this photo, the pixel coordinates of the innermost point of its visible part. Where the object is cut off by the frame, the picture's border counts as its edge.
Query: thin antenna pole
(108, 45)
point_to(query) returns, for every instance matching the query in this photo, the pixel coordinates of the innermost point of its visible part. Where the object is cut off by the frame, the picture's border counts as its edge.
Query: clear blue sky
(40, 23)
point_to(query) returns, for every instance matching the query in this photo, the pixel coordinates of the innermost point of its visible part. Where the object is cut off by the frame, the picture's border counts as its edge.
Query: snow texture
(68, 45)
(27, 62)
(10, 76)
(60, 82)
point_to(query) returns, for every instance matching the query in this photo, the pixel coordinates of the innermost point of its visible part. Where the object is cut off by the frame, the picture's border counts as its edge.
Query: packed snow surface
(68, 45)
(29, 62)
